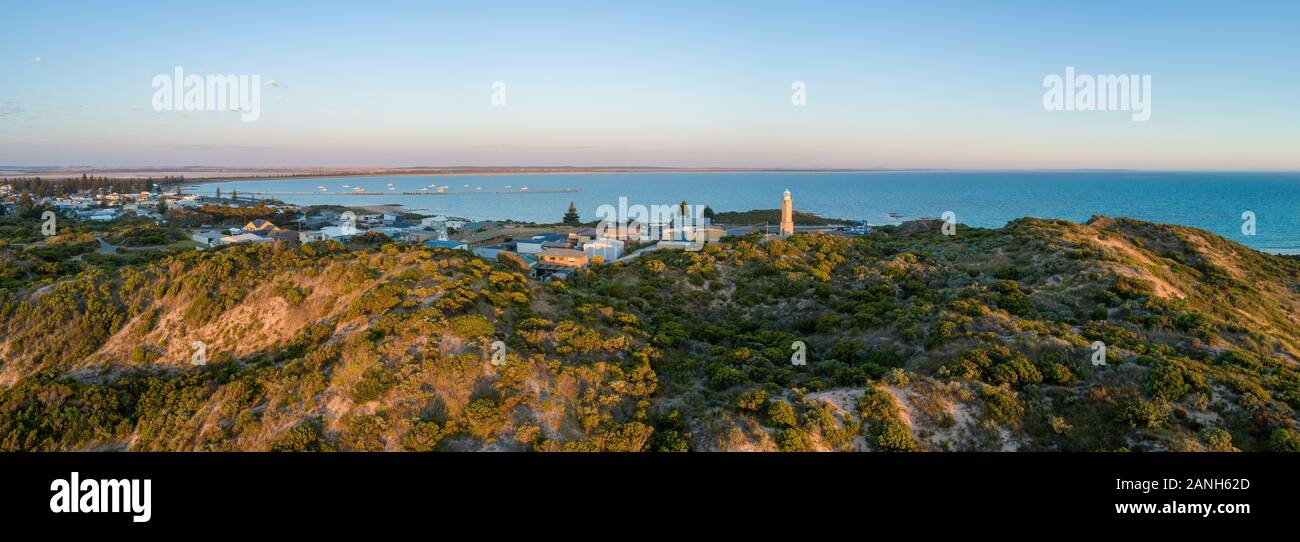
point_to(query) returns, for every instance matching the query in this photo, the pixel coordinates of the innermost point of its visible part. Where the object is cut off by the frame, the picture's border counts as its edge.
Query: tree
(708, 212)
(571, 218)
(25, 204)
(218, 192)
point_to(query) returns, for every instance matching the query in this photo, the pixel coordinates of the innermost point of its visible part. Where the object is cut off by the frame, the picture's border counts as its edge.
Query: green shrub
(472, 326)
(892, 436)
(304, 437)
(1284, 440)
(374, 383)
(752, 400)
(794, 439)
(422, 437)
(483, 417)
(1139, 413)
(782, 413)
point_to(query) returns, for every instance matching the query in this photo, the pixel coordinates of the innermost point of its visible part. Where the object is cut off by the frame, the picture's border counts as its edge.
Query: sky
(907, 84)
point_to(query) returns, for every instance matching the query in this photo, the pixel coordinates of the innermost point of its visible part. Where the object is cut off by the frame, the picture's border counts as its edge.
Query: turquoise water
(1212, 201)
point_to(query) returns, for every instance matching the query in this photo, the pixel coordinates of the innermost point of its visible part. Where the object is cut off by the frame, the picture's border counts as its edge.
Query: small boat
(466, 186)
(347, 186)
(523, 189)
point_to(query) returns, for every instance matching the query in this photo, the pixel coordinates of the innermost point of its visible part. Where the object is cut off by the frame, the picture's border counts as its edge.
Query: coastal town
(545, 251)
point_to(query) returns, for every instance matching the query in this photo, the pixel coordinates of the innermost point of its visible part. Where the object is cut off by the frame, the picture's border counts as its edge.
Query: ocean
(1210, 200)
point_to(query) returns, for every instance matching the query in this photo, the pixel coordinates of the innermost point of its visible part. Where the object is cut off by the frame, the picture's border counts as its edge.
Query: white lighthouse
(787, 215)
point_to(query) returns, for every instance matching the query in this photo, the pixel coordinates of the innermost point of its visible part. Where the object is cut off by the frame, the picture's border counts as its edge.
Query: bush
(1167, 382)
(304, 437)
(1141, 414)
(752, 400)
(877, 404)
(1126, 287)
(422, 437)
(1001, 406)
(794, 440)
(1284, 440)
(723, 377)
(364, 432)
(892, 436)
(375, 382)
(782, 414)
(483, 417)
(471, 327)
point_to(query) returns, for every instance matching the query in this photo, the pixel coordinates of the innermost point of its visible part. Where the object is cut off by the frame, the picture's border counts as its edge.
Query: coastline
(268, 174)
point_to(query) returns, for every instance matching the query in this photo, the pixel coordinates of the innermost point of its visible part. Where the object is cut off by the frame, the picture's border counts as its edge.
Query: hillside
(915, 341)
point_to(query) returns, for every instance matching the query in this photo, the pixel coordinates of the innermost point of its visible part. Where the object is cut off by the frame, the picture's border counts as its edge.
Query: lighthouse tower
(787, 215)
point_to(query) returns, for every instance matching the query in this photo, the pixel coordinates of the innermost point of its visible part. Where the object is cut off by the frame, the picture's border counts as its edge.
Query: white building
(607, 249)
(103, 215)
(208, 238)
(312, 236)
(528, 246)
(243, 238)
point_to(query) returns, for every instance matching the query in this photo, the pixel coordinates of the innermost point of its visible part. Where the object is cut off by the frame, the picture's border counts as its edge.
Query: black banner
(320, 492)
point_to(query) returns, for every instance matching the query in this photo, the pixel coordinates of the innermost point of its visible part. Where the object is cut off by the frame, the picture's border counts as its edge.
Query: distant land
(220, 172)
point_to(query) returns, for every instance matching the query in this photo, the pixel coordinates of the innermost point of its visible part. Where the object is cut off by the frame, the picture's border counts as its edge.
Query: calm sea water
(1212, 201)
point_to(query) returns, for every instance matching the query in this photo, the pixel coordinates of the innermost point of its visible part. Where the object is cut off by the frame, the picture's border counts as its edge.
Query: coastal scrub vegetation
(915, 342)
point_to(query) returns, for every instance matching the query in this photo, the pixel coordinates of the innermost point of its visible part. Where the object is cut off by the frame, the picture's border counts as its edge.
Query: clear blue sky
(950, 84)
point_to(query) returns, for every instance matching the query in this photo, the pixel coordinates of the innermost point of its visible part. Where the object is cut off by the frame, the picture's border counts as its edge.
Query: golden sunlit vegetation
(915, 342)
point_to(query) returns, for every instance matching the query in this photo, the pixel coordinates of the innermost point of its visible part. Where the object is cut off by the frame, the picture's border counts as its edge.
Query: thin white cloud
(36, 60)
(276, 84)
(10, 109)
